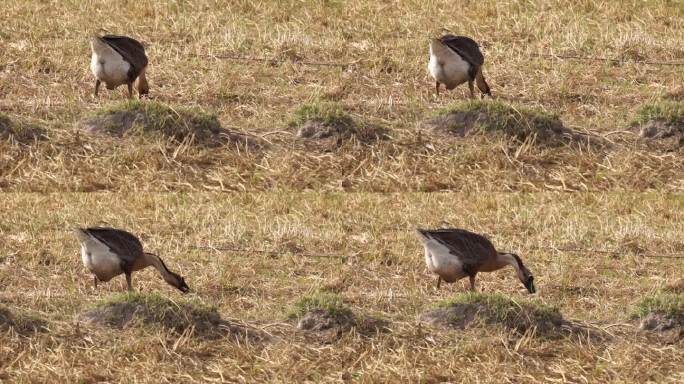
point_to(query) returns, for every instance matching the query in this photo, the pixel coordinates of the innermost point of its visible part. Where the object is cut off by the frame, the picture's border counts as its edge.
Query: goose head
(526, 277)
(524, 274)
(177, 281)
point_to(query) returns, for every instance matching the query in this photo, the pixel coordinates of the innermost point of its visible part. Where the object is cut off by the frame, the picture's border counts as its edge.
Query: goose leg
(437, 87)
(128, 282)
(97, 86)
(472, 283)
(472, 89)
(439, 281)
(95, 281)
(130, 90)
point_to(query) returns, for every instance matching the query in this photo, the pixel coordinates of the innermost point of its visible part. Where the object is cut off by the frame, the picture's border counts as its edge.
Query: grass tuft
(329, 303)
(155, 118)
(501, 308)
(22, 323)
(155, 301)
(669, 304)
(19, 132)
(476, 309)
(133, 309)
(669, 111)
(498, 117)
(325, 112)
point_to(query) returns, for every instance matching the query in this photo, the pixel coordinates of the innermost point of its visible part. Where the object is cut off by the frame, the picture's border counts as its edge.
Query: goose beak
(529, 284)
(183, 287)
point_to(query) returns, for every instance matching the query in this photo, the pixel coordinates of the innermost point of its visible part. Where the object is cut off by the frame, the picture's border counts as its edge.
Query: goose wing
(472, 249)
(130, 49)
(124, 244)
(466, 47)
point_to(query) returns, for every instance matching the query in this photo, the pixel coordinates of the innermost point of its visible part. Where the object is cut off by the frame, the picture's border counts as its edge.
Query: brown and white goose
(109, 252)
(456, 253)
(455, 60)
(119, 60)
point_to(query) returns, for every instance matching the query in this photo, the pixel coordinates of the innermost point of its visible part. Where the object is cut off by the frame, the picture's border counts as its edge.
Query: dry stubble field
(293, 196)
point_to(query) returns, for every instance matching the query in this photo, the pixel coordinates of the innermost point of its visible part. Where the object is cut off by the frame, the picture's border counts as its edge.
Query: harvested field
(285, 156)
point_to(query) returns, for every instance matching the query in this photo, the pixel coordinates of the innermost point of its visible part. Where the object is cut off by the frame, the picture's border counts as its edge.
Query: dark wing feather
(473, 249)
(466, 47)
(131, 50)
(124, 244)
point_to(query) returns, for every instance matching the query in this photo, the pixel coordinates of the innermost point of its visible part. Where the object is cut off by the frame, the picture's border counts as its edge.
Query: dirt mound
(334, 325)
(662, 122)
(493, 117)
(20, 323)
(19, 132)
(662, 316)
(660, 129)
(137, 310)
(476, 310)
(320, 320)
(669, 327)
(153, 118)
(327, 120)
(325, 314)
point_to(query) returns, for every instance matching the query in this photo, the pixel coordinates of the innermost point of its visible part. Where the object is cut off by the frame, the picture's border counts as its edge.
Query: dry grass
(359, 246)
(44, 79)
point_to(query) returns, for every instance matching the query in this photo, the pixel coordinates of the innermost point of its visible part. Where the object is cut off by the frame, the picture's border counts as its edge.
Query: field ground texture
(290, 197)
(362, 247)
(45, 80)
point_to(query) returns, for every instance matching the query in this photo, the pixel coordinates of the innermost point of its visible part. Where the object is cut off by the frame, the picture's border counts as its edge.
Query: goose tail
(81, 233)
(422, 234)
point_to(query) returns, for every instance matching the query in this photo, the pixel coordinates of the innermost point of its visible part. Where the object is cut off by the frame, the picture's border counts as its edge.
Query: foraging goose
(455, 60)
(456, 253)
(119, 60)
(109, 252)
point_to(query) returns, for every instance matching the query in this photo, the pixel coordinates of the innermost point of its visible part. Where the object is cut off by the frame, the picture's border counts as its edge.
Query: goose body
(455, 60)
(109, 252)
(453, 254)
(118, 60)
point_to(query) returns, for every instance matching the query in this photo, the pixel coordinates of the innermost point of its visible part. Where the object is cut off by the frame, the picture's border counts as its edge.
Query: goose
(455, 60)
(455, 253)
(119, 60)
(109, 252)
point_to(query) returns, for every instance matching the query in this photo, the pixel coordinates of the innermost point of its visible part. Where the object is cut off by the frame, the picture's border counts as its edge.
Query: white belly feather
(440, 261)
(108, 65)
(99, 259)
(447, 67)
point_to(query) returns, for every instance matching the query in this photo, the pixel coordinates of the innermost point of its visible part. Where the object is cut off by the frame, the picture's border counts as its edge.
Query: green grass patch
(329, 303)
(325, 119)
(155, 118)
(501, 308)
(18, 131)
(669, 111)
(326, 112)
(155, 301)
(496, 117)
(21, 322)
(670, 304)
(136, 309)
